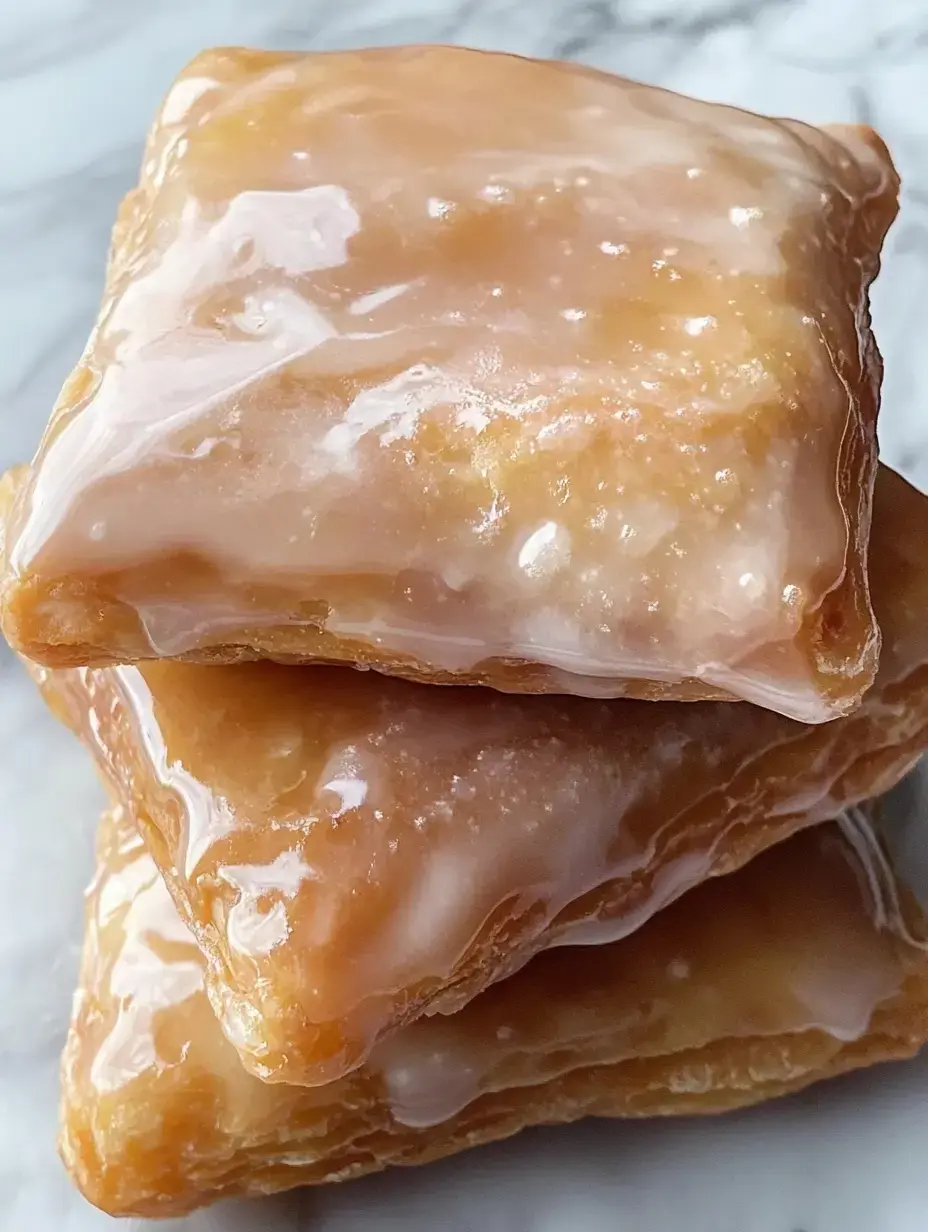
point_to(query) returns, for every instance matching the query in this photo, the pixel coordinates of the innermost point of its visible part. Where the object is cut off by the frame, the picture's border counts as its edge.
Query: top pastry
(474, 369)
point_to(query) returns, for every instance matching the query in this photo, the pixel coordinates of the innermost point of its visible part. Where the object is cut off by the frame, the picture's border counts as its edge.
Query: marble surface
(78, 82)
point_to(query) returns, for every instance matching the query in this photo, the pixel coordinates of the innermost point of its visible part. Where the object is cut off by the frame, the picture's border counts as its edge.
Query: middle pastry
(353, 851)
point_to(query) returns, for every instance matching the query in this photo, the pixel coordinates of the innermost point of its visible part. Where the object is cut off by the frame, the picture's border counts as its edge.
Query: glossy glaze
(353, 851)
(754, 984)
(468, 367)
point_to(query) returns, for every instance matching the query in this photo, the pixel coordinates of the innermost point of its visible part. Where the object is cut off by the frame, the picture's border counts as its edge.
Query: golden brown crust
(122, 640)
(721, 1077)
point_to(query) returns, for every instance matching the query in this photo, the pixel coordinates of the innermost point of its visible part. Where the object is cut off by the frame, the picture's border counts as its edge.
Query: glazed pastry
(473, 369)
(752, 986)
(353, 851)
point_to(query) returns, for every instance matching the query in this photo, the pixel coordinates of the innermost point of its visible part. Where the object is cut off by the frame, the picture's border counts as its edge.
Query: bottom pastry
(800, 966)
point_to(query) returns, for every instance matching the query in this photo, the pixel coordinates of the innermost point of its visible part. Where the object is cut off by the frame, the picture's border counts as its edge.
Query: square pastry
(470, 368)
(799, 966)
(353, 852)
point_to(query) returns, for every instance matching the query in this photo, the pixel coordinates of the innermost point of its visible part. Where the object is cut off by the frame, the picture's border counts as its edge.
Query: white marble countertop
(79, 80)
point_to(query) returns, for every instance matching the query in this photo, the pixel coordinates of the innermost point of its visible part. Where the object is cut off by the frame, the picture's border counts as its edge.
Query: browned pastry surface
(475, 369)
(353, 851)
(751, 986)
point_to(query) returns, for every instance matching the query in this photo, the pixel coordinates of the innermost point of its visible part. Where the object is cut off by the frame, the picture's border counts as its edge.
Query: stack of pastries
(547, 401)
